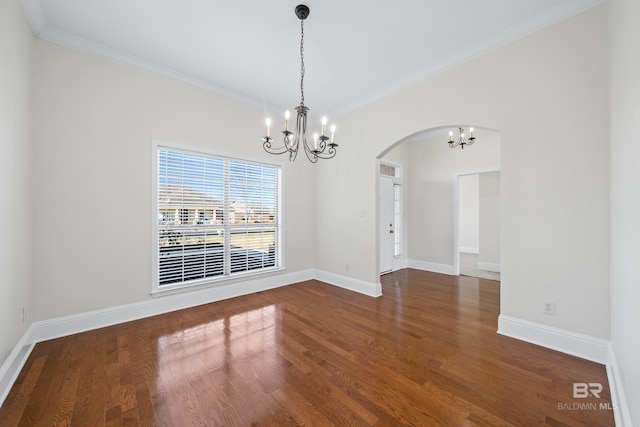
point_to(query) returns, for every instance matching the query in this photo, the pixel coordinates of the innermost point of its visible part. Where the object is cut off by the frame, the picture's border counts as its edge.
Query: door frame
(386, 242)
(398, 262)
(456, 213)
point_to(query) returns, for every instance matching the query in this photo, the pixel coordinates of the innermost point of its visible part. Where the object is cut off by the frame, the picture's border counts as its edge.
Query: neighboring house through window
(217, 217)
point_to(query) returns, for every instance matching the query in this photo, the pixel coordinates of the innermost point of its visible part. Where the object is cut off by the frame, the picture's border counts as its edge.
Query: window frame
(156, 287)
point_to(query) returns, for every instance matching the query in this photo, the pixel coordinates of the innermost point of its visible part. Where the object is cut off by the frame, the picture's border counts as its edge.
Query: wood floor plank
(89, 408)
(300, 409)
(425, 353)
(144, 408)
(21, 395)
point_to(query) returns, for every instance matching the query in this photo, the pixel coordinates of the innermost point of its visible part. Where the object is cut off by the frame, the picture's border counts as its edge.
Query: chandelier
(321, 147)
(462, 141)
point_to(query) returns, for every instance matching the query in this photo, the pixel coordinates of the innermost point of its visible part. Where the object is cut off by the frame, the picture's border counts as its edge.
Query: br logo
(584, 390)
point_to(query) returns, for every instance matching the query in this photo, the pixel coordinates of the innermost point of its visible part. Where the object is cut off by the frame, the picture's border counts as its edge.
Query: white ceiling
(355, 51)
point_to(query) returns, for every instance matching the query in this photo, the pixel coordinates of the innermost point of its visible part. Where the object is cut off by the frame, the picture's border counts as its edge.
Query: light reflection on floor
(187, 354)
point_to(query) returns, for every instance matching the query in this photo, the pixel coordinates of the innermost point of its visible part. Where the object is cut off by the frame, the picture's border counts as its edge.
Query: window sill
(212, 282)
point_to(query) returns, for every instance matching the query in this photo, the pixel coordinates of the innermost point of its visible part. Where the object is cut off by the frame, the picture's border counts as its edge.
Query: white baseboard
(13, 365)
(584, 346)
(360, 286)
(399, 264)
(67, 325)
(468, 250)
(489, 266)
(431, 266)
(62, 326)
(618, 400)
(590, 348)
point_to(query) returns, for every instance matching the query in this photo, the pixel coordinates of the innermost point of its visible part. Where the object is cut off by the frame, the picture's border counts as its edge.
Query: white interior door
(387, 226)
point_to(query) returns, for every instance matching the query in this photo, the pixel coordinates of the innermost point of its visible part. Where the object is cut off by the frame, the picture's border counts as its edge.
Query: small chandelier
(321, 147)
(462, 141)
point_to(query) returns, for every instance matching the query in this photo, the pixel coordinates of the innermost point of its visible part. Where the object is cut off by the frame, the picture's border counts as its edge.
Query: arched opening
(428, 186)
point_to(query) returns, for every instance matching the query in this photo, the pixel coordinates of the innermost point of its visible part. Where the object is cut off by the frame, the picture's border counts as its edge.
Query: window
(217, 217)
(388, 170)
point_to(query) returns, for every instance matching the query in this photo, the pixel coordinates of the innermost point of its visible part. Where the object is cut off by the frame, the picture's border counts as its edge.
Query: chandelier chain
(301, 62)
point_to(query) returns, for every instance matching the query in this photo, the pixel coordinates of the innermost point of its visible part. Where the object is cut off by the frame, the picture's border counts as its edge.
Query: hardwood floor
(426, 353)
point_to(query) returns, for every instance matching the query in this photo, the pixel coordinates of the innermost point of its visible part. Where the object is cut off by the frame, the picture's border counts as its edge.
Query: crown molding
(564, 10)
(97, 50)
(35, 15)
(40, 28)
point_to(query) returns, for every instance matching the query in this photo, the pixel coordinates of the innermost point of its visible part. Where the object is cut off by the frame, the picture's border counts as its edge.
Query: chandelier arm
(267, 145)
(269, 150)
(311, 155)
(329, 154)
(322, 143)
(288, 145)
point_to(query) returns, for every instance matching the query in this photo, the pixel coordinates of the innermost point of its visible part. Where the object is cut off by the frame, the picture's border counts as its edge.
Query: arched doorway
(430, 169)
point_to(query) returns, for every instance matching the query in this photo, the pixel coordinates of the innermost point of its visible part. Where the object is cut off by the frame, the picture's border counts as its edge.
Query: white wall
(433, 169)
(16, 208)
(541, 92)
(625, 198)
(469, 216)
(94, 124)
(489, 219)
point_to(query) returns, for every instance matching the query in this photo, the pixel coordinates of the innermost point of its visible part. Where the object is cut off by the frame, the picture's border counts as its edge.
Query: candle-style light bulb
(324, 123)
(333, 132)
(268, 126)
(315, 141)
(471, 132)
(287, 114)
(450, 136)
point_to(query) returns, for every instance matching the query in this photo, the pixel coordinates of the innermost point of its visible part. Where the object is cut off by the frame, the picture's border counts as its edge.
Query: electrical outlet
(549, 307)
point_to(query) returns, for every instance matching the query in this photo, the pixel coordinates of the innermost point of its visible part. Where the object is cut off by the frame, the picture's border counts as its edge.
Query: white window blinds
(217, 217)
